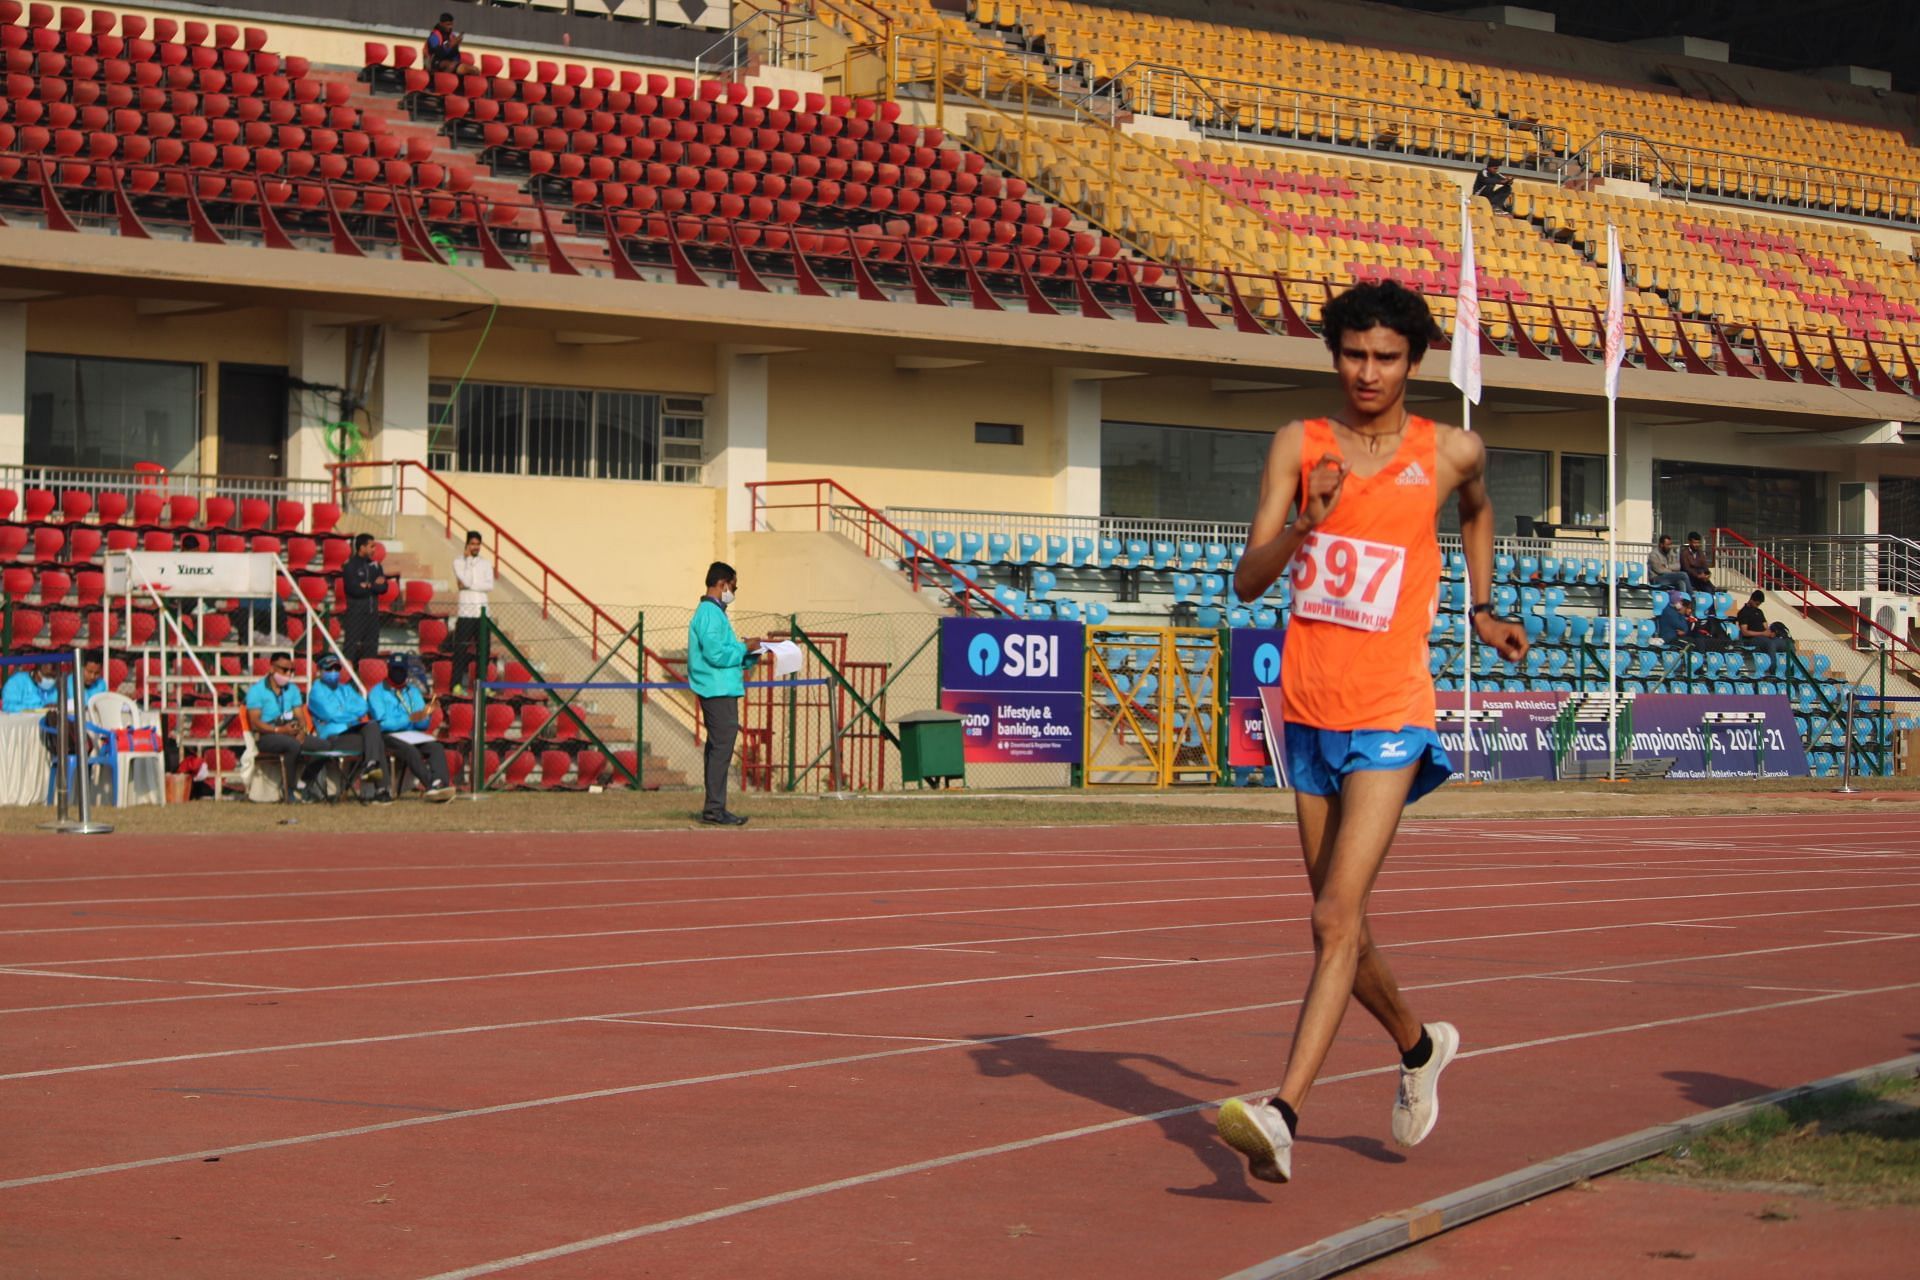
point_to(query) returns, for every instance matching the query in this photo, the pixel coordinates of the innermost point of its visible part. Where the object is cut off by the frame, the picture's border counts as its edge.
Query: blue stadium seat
(1082, 553)
(915, 536)
(1212, 588)
(1266, 619)
(971, 545)
(1029, 547)
(1526, 567)
(1056, 548)
(1039, 610)
(1579, 627)
(1239, 617)
(1137, 550)
(1207, 616)
(1109, 551)
(1658, 601)
(1217, 554)
(1455, 568)
(1010, 598)
(1066, 611)
(1536, 627)
(1165, 555)
(1502, 567)
(1193, 555)
(1097, 613)
(944, 543)
(1183, 587)
(1723, 604)
(999, 547)
(1044, 581)
(1636, 574)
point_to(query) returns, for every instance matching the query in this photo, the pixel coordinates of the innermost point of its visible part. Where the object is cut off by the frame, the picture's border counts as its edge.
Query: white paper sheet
(786, 657)
(411, 735)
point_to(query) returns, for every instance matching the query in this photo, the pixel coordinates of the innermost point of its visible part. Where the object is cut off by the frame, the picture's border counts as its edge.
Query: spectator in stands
(1663, 567)
(91, 682)
(443, 49)
(716, 658)
(28, 689)
(1676, 620)
(1756, 632)
(1693, 563)
(474, 573)
(276, 714)
(1495, 187)
(364, 581)
(403, 715)
(341, 722)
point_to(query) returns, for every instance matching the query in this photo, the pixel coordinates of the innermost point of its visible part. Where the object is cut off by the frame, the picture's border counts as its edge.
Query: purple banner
(1513, 735)
(1516, 742)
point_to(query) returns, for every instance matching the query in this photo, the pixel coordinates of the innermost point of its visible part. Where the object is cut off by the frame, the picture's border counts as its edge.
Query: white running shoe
(1418, 1105)
(1259, 1133)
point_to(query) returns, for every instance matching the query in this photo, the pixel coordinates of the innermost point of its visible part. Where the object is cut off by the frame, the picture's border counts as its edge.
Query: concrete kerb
(1394, 1231)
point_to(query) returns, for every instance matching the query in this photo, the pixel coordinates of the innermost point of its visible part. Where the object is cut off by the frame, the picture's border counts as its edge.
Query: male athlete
(1348, 505)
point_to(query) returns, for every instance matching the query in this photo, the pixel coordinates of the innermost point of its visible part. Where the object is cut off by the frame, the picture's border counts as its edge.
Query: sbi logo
(1266, 663)
(1017, 656)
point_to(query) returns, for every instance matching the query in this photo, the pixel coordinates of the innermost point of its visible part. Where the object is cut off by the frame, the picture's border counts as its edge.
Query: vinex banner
(1018, 687)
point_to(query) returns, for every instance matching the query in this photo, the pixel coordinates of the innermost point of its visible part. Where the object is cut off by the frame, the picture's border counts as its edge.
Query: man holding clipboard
(716, 669)
(397, 706)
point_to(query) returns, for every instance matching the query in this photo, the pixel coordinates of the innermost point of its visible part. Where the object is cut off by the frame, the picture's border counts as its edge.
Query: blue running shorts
(1318, 760)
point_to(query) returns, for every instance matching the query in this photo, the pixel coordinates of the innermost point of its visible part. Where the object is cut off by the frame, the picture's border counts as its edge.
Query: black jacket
(364, 580)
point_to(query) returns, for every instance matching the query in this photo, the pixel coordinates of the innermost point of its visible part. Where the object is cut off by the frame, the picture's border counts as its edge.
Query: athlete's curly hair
(1384, 303)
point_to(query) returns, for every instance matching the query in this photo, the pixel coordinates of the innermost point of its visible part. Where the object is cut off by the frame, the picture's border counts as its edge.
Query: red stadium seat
(372, 671)
(75, 504)
(48, 544)
(589, 768)
(182, 509)
(17, 584)
(158, 540)
(554, 768)
(500, 718)
(83, 545)
(111, 507)
(219, 514)
(38, 505)
(54, 587)
(255, 513)
(533, 720)
(13, 538)
(27, 624)
(520, 768)
(288, 516)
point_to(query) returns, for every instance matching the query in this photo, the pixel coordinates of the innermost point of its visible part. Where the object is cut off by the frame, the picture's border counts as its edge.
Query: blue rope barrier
(38, 660)
(499, 686)
(1879, 697)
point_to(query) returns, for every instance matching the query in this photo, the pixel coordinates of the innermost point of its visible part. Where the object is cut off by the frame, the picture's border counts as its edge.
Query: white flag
(1616, 327)
(1465, 368)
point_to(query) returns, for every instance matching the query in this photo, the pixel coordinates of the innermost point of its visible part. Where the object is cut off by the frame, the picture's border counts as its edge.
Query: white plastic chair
(117, 711)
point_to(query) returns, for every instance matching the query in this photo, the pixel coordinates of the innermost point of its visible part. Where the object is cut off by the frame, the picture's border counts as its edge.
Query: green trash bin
(932, 752)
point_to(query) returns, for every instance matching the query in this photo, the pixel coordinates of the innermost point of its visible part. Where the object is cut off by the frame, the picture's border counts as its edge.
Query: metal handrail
(1888, 562)
(574, 606)
(958, 585)
(1800, 585)
(1675, 157)
(166, 483)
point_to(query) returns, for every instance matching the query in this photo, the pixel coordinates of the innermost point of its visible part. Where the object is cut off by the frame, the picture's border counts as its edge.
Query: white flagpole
(1616, 353)
(1464, 372)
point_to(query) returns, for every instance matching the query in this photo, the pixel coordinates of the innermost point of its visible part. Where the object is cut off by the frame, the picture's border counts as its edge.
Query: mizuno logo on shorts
(1413, 473)
(1393, 750)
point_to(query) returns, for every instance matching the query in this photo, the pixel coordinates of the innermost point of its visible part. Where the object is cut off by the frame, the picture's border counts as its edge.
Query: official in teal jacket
(716, 664)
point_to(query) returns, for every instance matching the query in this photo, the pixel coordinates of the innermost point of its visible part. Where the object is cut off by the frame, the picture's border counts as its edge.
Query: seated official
(398, 707)
(1756, 632)
(341, 723)
(92, 682)
(276, 714)
(28, 689)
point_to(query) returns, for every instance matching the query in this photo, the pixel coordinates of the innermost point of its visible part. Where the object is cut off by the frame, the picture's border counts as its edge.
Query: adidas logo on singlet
(1413, 473)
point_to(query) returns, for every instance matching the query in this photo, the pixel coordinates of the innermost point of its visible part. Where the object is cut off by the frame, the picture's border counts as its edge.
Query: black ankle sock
(1286, 1113)
(1421, 1053)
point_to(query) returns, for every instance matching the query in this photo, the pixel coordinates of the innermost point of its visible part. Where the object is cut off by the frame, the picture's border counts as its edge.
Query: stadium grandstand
(920, 309)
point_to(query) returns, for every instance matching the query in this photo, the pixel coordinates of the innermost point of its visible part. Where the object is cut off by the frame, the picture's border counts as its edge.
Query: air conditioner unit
(1893, 612)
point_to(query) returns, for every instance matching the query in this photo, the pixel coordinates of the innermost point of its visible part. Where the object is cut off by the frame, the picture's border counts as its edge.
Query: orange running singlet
(1365, 588)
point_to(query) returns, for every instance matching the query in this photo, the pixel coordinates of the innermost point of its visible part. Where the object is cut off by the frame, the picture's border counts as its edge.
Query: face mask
(280, 680)
(45, 682)
(330, 678)
(726, 597)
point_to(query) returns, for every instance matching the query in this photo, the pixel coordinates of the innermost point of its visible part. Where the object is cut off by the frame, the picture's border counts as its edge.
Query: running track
(835, 1054)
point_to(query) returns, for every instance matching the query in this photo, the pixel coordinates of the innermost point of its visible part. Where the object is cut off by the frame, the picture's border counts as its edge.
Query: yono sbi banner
(1255, 666)
(1019, 688)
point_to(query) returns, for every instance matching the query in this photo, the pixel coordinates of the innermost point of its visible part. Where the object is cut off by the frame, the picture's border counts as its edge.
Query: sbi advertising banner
(1255, 666)
(1019, 688)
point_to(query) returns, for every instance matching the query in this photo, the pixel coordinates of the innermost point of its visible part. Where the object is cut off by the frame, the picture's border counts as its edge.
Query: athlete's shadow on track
(1115, 1080)
(1710, 1089)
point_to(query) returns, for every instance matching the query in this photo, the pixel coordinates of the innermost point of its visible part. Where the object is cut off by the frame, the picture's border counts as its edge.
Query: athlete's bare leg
(1373, 983)
(1348, 850)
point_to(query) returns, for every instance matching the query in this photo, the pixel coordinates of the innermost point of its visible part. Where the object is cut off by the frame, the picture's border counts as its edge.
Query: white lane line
(965, 951)
(114, 977)
(1149, 959)
(1691, 925)
(538, 1023)
(497, 1265)
(1868, 933)
(1826, 990)
(1557, 977)
(528, 1104)
(561, 970)
(783, 1031)
(1289, 877)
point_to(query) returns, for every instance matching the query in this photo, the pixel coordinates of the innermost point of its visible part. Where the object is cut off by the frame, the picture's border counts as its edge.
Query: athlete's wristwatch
(1485, 607)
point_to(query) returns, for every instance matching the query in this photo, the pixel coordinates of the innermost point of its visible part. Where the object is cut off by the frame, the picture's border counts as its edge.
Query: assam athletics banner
(1517, 744)
(1018, 687)
(1254, 665)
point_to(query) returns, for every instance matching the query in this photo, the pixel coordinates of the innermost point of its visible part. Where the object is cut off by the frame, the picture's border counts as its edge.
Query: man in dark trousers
(716, 661)
(365, 582)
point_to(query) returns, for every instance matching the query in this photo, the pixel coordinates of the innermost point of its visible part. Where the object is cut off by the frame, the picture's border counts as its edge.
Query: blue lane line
(498, 686)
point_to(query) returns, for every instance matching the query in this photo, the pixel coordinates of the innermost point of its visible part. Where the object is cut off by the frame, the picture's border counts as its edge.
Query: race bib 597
(1348, 581)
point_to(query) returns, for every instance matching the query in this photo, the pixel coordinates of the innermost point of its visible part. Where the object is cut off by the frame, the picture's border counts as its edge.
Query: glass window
(1751, 501)
(88, 412)
(1583, 489)
(567, 431)
(1180, 473)
(997, 432)
(1517, 486)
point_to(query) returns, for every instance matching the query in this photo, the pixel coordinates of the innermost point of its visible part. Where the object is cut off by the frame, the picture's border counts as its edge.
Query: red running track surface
(836, 1054)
